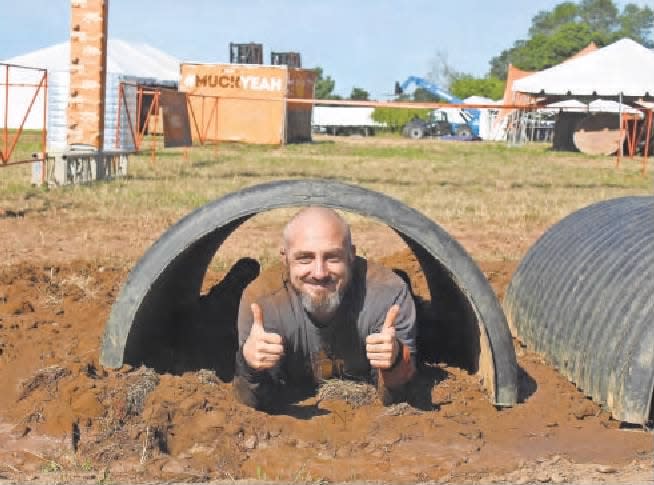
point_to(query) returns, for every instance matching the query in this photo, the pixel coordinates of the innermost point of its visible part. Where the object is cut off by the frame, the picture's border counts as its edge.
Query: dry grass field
(67, 251)
(495, 199)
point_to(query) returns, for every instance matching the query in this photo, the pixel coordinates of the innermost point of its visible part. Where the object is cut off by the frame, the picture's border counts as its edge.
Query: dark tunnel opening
(448, 325)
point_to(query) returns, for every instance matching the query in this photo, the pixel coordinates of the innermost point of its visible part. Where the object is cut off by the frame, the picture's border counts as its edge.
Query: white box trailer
(338, 120)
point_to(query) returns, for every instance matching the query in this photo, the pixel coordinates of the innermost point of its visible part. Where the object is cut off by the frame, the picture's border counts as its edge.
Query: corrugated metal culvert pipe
(154, 317)
(583, 296)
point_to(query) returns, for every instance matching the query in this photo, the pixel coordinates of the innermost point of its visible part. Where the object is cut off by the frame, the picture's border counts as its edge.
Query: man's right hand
(262, 350)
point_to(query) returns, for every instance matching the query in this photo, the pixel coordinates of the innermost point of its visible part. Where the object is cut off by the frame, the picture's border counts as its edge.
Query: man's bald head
(319, 221)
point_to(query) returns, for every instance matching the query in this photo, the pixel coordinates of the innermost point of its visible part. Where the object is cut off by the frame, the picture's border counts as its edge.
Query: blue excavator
(447, 123)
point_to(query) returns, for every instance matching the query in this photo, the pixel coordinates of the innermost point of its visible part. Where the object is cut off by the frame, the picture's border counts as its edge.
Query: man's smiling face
(319, 255)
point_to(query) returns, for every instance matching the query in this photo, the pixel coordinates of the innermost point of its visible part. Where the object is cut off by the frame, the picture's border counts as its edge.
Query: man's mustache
(322, 281)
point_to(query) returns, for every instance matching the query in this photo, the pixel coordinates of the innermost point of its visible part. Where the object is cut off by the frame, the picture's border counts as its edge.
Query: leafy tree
(599, 15)
(396, 118)
(359, 93)
(545, 22)
(543, 51)
(324, 87)
(557, 34)
(467, 85)
(637, 23)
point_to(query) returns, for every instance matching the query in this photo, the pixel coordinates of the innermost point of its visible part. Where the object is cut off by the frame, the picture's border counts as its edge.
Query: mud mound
(64, 418)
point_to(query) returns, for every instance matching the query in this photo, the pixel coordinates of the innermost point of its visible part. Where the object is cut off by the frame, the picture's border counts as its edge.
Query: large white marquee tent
(125, 61)
(623, 68)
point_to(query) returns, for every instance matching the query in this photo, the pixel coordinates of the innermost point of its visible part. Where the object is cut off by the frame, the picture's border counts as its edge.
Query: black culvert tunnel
(583, 296)
(160, 319)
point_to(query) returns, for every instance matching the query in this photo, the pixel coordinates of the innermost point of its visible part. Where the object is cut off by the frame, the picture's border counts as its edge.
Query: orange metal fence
(648, 136)
(205, 122)
(634, 131)
(35, 81)
(153, 123)
(202, 110)
(136, 130)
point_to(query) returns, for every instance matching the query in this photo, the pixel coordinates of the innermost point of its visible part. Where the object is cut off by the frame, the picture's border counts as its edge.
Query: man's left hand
(382, 347)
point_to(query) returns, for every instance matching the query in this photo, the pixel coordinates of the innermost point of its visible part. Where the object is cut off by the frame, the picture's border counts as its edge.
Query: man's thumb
(391, 316)
(257, 314)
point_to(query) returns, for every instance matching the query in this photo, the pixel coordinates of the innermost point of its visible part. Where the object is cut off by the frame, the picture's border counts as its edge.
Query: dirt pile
(66, 418)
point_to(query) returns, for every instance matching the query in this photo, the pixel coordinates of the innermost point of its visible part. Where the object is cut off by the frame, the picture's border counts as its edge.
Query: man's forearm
(253, 388)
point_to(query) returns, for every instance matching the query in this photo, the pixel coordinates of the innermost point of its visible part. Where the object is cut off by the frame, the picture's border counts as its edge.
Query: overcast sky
(364, 43)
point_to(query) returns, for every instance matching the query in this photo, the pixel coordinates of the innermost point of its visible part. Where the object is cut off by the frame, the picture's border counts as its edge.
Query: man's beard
(324, 304)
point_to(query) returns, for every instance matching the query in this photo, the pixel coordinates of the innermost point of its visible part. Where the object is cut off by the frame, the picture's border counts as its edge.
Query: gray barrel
(154, 303)
(583, 296)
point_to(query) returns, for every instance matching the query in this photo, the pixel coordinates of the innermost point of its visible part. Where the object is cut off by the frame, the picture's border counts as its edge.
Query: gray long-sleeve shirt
(312, 351)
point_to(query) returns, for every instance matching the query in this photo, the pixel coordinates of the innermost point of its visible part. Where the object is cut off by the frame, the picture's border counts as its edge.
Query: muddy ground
(64, 418)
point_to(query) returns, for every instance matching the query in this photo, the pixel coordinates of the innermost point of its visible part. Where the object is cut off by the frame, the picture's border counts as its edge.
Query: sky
(365, 43)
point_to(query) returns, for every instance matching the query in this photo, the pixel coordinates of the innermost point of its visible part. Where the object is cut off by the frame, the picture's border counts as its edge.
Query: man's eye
(335, 259)
(303, 260)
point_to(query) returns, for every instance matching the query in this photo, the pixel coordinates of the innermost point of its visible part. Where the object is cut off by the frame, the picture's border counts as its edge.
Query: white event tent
(623, 68)
(125, 61)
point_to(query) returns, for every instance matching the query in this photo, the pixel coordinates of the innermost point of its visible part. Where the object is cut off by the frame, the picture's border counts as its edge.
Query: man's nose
(320, 269)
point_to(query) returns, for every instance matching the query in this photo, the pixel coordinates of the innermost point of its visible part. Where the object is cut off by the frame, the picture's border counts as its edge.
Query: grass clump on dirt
(47, 376)
(145, 382)
(356, 394)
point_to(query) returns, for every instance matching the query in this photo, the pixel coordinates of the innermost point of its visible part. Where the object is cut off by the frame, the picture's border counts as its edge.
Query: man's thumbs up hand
(262, 350)
(383, 347)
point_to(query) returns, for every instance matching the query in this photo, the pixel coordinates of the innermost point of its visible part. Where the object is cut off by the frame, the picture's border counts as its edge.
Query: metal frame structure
(630, 132)
(648, 136)
(138, 132)
(135, 130)
(630, 126)
(8, 146)
(203, 131)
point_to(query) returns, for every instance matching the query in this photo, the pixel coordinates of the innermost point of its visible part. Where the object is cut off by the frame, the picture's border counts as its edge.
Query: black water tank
(250, 53)
(290, 59)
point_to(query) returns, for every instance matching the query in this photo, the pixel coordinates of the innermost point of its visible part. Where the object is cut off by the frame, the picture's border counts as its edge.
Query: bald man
(330, 314)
